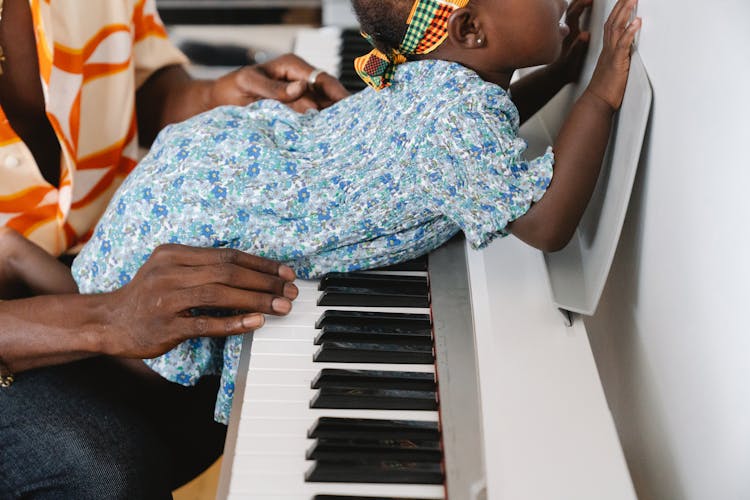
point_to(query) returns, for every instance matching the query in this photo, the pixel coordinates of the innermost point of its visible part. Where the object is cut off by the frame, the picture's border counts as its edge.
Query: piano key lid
(577, 274)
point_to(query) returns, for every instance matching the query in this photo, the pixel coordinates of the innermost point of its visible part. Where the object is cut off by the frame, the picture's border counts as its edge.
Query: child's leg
(26, 269)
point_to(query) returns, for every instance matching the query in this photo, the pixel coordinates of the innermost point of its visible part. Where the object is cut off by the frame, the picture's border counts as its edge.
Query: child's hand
(611, 73)
(570, 62)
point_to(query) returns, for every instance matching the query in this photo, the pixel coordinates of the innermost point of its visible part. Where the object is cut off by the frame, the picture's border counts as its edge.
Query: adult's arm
(579, 149)
(150, 315)
(171, 95)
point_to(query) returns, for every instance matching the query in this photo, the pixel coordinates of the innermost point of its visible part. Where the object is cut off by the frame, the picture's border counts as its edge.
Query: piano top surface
(548, 432)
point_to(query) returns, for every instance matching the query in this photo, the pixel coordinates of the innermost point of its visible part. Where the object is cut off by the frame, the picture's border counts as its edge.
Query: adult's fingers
(195, 256)
(217, 296)
(330, 88)
(234, 276)
(250, 83)
(207, 326)
(303, 104)
(292, 68)
(288, 67)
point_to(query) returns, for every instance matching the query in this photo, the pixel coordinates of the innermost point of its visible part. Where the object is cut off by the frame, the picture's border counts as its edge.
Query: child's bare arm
(579, 149)
(26, 269)
(535, 90)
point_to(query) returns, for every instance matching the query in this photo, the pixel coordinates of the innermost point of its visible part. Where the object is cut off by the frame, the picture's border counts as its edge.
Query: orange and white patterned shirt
(93, 55)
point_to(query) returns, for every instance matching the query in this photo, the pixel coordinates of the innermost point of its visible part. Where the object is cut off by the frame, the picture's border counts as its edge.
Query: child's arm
(579, 149)
(26, 269)
(534, 90)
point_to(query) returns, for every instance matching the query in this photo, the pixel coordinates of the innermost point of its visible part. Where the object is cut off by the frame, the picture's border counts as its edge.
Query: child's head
(492, 37)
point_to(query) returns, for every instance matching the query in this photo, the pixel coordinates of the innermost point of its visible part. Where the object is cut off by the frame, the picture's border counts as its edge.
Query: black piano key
(357, 352)
(366, 297)
(362, 289)
(403, 284)
(398, 321)
(367, 398)
(333, 377)
(368, 428)
(342, 333)
(375, 450)
(388, 471)
(353, 45)
(418, 264)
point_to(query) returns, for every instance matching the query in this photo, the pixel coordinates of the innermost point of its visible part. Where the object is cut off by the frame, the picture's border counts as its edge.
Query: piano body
(513, 396)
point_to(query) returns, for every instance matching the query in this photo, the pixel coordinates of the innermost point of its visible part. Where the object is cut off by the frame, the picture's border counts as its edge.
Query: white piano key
(305, 362)
(282, 346)
(279, 333)
(265, 393)
(298, 426)
(295, 319)
(292, 447)
(296, 466)
(277, 426)
(303, 377)
(307, 284)
(271, 485)
(271, 409)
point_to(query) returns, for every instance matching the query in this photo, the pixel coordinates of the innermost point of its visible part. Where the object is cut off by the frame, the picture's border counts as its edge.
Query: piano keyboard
(340, 399)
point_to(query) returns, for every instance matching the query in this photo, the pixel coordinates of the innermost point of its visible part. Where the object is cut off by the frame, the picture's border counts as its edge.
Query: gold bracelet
(2, 59)
(6, 377)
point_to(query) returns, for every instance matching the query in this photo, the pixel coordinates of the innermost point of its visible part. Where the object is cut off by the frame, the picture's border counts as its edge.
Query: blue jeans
(96, 429)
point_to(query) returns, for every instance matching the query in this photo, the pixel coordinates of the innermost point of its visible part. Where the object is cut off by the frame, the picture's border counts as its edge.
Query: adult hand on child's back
(284, 79)
(611, 72)
(152, 313)
(576, 43)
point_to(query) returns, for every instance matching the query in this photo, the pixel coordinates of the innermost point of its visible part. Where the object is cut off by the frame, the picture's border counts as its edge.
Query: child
(383, 176)
(26, 269)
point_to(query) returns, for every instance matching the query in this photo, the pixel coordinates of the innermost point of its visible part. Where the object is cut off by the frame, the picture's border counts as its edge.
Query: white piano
(520, 411)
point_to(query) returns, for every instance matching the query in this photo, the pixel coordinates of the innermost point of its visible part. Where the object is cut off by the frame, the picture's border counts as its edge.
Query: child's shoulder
(453, 89)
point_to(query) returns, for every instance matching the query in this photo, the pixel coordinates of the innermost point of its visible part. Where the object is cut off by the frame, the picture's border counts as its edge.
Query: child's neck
(445, 53)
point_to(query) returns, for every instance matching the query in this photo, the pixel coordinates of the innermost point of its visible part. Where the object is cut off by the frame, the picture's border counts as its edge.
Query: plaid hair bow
(427, 29)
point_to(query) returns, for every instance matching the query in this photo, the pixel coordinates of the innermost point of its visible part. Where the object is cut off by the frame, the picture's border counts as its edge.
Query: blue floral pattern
(379, 178)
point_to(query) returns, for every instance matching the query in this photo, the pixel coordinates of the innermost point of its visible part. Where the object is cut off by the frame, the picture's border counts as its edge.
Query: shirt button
(11, 161)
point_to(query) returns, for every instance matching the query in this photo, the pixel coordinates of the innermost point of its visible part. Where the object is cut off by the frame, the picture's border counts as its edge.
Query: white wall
(671, 335)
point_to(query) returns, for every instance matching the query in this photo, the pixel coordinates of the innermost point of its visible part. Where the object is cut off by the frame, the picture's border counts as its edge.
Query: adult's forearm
(534, 90)
(51, 329)
(170, 95)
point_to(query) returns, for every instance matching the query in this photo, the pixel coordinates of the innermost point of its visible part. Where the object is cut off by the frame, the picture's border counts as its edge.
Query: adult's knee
(61, 440)
(64, 462)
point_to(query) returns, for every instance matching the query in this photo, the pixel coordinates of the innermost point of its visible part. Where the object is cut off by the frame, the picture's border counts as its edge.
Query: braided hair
(384, 21)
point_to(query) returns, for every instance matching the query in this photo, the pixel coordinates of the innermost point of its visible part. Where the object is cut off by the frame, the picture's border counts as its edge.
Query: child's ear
(465, 29)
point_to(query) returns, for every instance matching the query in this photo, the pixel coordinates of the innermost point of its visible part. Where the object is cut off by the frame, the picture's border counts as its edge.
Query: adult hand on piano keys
(284, 79)
(156, 310)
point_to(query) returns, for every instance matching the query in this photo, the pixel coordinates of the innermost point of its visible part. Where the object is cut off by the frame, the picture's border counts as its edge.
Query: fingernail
(281, 305)
(291, 291)
(287, 273)
(253, 322)
(295, 88)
